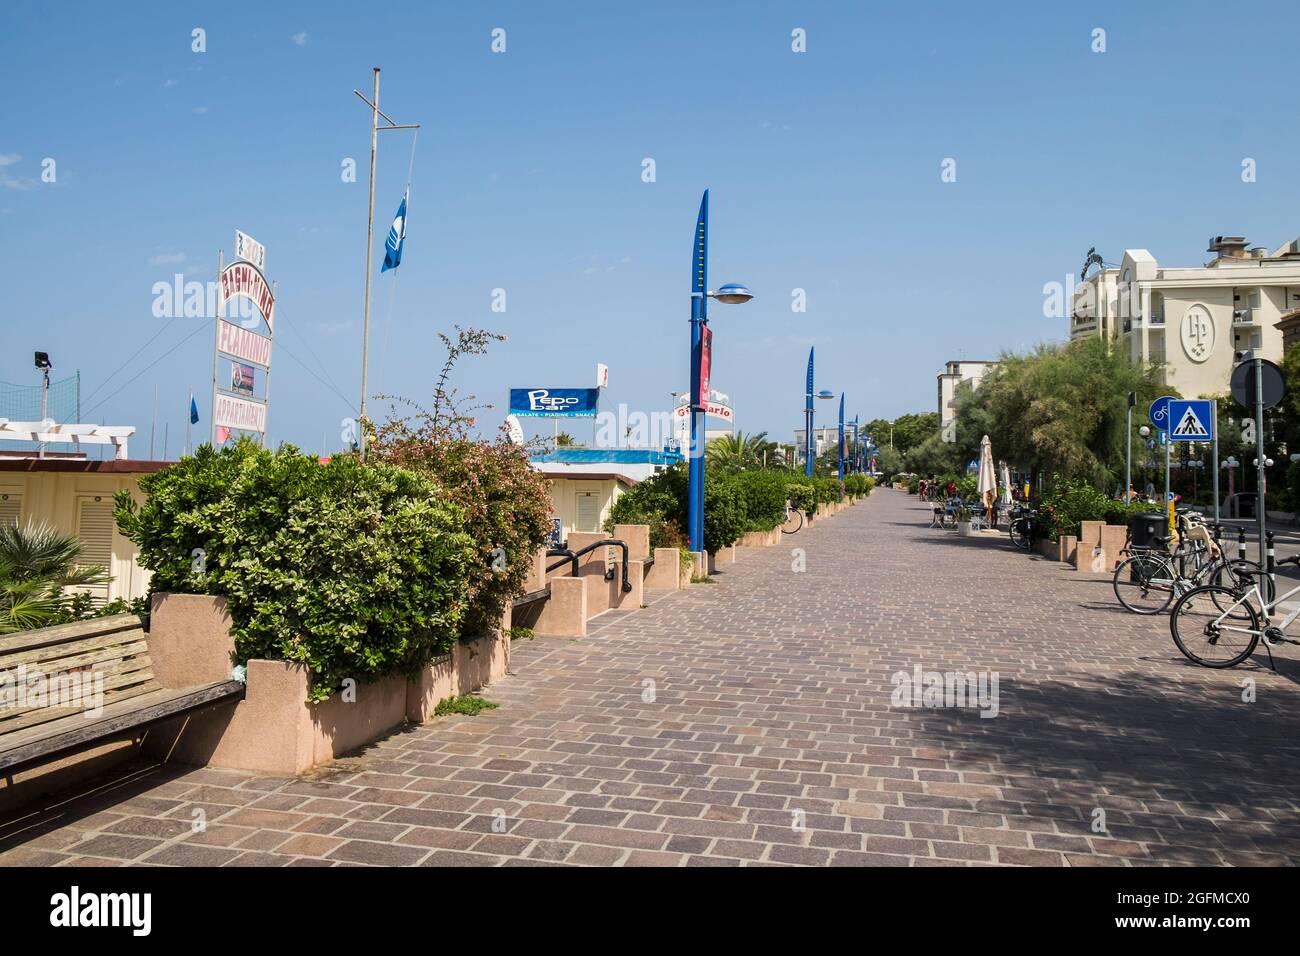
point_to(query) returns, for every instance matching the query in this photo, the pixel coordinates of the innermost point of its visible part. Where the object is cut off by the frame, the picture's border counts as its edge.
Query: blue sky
(824, 168)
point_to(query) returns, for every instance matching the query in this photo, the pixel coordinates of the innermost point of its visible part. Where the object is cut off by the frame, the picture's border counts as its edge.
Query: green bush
(765, 497)
(1067, 504)
(802, 494)
(660, 502)
(725, 513)
(356, 571)
(913, 485)
(858, 485)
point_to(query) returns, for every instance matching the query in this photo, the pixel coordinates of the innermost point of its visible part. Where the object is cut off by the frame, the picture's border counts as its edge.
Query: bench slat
(116, 679)
(46, 715)
(50, 651)
(61, 633)
(73, 733)
(68, 662)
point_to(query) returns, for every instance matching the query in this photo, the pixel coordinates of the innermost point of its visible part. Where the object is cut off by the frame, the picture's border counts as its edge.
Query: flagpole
(216, 348)
(370, 241)
(189, 423)
(375, 114)
(153, 424)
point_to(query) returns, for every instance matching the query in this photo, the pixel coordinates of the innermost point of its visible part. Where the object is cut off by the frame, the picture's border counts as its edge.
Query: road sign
(1159, 412)
(1243, 384)
(1191, 420)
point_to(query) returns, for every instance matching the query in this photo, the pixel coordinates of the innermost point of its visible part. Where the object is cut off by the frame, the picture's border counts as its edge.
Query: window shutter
(11, 508)
(588, 511)
(95, 532)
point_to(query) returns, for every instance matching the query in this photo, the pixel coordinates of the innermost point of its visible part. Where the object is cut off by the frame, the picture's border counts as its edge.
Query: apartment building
(1194, 319)
(951, 378)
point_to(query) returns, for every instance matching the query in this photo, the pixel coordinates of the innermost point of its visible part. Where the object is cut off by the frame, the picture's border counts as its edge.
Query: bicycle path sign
(1159, 412)
(1190, 420)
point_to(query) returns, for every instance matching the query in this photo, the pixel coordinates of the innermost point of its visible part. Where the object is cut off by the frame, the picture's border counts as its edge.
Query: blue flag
(194, 411)
(396, 238)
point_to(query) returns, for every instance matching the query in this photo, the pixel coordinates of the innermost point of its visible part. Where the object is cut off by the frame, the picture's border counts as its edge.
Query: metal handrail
(573, 556)
(569, 556)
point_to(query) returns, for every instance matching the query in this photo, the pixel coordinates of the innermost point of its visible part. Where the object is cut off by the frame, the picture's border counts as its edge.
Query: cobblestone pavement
(750, 722)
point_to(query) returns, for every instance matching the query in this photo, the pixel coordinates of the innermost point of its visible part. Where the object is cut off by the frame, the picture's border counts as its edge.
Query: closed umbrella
(1006, 484)
(988, 485)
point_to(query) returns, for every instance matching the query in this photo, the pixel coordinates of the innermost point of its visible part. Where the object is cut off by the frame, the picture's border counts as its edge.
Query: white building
(1193, 319)
(951, 378)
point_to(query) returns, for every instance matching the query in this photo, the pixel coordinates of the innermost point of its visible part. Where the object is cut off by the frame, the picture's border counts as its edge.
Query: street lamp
(733, 293)
(1128, 448)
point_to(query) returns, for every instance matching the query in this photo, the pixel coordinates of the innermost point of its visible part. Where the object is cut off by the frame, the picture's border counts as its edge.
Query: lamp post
(839, 448)
(808, 419)
(1144, 432)
(1128, 448)
(701, 360)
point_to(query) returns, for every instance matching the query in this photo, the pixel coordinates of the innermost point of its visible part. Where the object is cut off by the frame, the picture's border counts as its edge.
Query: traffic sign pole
(1215, 462)
(1168, 500)
(1261, 487)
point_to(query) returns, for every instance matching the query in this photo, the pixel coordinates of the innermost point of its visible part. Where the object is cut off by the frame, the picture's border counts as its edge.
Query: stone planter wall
(274, 729)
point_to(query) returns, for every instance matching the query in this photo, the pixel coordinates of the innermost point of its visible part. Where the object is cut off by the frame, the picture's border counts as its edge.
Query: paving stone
(774, 692)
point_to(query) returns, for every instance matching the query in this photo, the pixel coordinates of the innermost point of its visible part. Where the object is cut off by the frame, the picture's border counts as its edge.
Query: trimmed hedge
(356, 571)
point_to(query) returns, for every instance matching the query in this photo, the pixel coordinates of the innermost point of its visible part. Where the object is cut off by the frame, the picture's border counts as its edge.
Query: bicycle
(1024, 528)
(793, 519)
(1148, 580)
(1212, 635)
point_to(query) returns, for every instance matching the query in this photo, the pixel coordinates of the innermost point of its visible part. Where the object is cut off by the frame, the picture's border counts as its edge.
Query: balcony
(1244, 317)
(1157, 318)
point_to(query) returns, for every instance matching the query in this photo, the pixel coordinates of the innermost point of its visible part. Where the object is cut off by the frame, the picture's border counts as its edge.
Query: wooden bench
(78, 655)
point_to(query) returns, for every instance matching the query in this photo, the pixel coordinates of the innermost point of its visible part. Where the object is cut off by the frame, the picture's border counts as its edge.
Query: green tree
(1059, 409)
(737, 452)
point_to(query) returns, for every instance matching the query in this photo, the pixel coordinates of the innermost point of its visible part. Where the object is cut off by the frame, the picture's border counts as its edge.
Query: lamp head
(43, 360)
(733, 293)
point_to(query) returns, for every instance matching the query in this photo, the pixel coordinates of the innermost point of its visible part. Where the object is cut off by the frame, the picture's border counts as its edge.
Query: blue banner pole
(839, 448)
(808, 419)
(699, 318)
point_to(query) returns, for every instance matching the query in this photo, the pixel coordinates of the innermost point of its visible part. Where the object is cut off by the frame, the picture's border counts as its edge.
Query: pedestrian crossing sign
(1191, 420)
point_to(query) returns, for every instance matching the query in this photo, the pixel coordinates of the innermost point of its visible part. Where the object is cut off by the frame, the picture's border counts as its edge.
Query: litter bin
(1147, 530)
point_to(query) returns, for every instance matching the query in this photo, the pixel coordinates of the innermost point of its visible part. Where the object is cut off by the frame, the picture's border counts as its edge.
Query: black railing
(573, 556)
(568, 555)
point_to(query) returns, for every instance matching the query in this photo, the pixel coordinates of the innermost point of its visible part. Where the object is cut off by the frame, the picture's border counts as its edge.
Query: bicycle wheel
(793, 522)
(1212, 637)
(1238, 576)
(1020, 534)
(1145, 583)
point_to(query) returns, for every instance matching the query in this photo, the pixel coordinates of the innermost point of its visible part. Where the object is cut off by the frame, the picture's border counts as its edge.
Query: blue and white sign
(1191, 420)
(1159, 413)
(554, 402)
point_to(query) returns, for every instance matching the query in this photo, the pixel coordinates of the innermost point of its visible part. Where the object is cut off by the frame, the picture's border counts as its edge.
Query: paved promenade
(754, 722)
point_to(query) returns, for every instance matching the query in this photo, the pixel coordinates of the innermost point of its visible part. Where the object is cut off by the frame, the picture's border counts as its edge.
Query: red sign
(244, 279)
(706, 360)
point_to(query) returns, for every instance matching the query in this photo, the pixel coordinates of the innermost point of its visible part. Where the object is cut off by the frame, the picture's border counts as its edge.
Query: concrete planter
(274, 729)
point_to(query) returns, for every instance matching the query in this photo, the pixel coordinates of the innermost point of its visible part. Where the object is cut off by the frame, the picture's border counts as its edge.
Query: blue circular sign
(1159, 412)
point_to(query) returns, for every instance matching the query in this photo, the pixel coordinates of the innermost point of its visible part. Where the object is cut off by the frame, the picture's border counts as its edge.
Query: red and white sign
(716, 409)
(246, 280)
(240, 413)
(241, 343)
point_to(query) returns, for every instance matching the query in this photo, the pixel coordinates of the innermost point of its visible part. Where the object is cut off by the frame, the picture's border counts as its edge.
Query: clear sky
(824, 166)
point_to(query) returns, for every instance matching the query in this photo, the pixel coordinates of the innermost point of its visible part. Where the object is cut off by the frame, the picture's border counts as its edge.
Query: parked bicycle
(793, 518)
(1151, 578)
(1024, 528)
(1216, 626)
